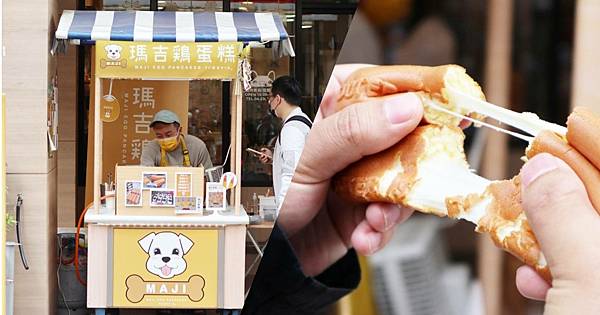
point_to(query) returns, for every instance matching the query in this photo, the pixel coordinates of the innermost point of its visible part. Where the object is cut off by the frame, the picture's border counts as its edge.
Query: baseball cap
(165, 116)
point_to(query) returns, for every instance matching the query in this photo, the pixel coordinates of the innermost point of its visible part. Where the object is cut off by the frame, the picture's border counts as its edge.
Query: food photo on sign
(215, 196)
(162, 198)
(185, 205)
(133, 193)
(155, 180)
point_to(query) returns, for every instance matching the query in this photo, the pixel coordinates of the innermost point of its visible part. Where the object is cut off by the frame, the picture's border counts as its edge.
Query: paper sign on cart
(229, 180)
(144, 190)
(162, 198)
(187, 205)
(216, 198)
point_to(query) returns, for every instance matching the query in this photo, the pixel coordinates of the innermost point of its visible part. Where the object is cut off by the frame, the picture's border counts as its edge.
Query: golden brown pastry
(427, 170)
(499, 213)
(428, 82)
(550, 142)
(583, 133)
(420, 171)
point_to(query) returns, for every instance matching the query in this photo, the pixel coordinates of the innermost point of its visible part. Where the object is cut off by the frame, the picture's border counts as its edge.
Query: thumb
(560, 213)
(356, 131)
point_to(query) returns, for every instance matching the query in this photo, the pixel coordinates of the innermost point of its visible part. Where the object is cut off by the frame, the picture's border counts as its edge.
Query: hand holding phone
(263, 156)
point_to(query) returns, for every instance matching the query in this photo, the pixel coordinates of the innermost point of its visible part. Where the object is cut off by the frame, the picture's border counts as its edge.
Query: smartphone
(257, 152)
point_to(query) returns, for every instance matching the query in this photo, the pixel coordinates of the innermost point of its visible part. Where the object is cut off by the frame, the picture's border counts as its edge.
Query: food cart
(127, 264)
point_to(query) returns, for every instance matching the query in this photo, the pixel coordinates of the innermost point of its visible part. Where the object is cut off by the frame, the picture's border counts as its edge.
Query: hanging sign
(260, 89)
(166, 60)
(110, 107)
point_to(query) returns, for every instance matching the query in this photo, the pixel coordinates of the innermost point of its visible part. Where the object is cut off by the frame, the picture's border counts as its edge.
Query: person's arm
(204, 156)
(201, 157)
(280, 286)
(292, 143)
(149, 153)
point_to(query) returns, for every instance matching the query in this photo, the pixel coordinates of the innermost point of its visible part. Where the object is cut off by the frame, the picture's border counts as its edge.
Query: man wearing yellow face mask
(171, 147)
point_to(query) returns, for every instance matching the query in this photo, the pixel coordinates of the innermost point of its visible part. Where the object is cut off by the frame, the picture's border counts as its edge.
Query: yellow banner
(131, 60)
(157, 268)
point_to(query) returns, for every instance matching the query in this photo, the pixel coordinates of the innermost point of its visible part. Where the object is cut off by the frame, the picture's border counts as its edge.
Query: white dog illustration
(166, 251)
(113, 52)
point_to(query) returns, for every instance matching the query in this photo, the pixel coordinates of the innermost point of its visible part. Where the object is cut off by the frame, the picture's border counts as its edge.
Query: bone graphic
(110, 63)
(137, 288)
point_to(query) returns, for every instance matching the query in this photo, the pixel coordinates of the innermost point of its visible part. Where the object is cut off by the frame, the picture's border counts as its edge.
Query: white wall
(26, 71)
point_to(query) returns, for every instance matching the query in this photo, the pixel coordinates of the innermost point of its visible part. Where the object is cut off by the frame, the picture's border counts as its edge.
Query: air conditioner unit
(411, 275)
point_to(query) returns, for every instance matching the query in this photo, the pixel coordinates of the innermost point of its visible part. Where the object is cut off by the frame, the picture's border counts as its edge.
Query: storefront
(317, 39)
(54, 170)
(163, 237)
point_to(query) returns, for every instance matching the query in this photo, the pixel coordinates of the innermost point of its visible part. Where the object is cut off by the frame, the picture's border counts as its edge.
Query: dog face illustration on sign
(113, 52)
(165, 253)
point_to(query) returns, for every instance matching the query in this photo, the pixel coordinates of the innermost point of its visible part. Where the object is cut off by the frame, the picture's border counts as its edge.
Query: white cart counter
(187, 261)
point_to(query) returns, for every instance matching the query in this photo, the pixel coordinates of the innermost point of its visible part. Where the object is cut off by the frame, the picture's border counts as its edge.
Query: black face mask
(272, 112)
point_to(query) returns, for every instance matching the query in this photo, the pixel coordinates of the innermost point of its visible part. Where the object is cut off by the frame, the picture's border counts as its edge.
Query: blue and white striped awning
(151, 26)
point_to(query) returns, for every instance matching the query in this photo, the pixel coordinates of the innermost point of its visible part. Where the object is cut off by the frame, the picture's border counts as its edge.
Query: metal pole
(299, 63)
(97, 144)
(225, 108)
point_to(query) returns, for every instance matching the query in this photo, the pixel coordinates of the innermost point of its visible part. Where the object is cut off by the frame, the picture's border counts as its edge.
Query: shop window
(283, 7)
(205, 116)
(322, 36)
(164, 5)
(260, 128)
(121, 5)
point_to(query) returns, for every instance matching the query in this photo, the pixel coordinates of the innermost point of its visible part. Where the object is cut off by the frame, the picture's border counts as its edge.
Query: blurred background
(523, 54)
(317, 29)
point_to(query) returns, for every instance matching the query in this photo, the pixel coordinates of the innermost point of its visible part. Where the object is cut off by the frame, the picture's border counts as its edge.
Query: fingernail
(538, 166)
(401, 108)
(373, 240)
(370, 245)
(391, 216)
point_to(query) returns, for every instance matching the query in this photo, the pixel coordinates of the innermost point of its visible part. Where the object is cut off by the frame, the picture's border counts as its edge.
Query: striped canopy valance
(151, 26)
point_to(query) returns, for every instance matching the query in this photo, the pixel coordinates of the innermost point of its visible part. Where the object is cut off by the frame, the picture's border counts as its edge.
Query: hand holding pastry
(321, 227)
(427, 170)
(568, 230)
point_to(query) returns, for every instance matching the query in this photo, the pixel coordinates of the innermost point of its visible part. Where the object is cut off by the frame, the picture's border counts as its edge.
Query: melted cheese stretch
(477, 212)
(442, 172)
(441, 177)
(388, 178)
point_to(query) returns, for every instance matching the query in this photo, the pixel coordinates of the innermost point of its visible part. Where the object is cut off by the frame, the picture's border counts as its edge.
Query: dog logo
(113, 52)
(113, 57)
(166, 252)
